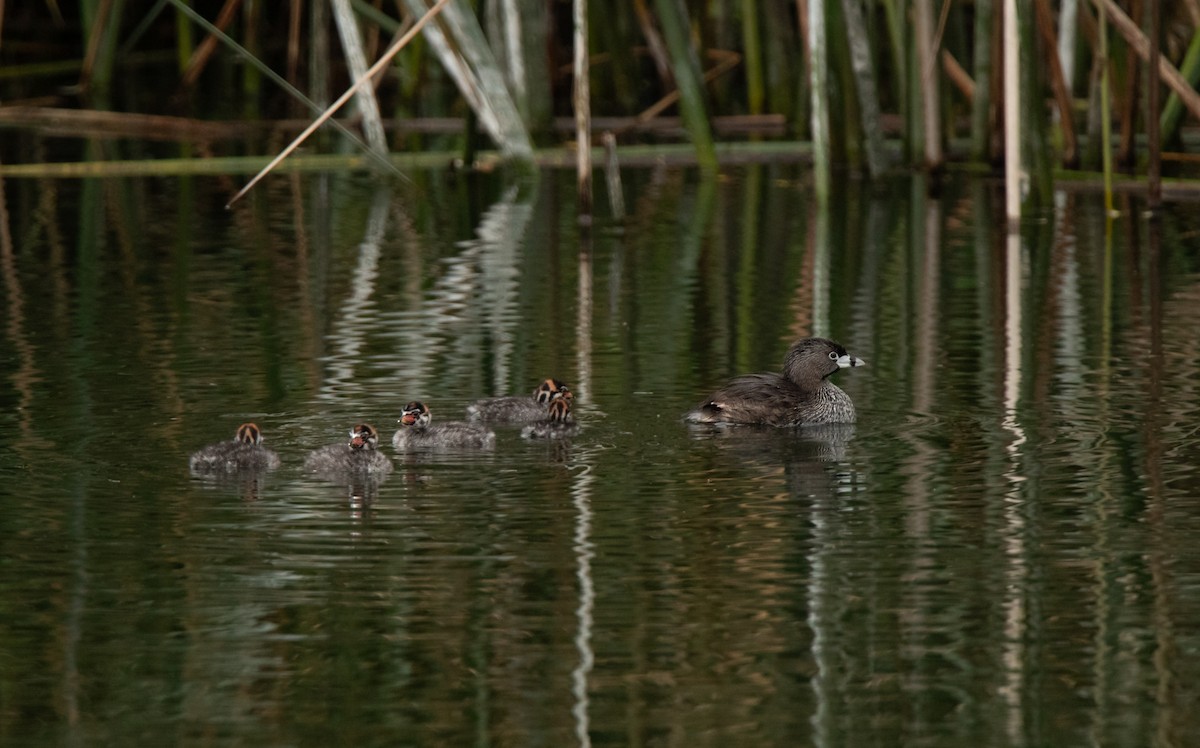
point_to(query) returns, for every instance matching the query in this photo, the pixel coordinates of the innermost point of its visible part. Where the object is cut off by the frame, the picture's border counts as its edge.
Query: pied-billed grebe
(557, 424)
(360, 455)
(417, 432)
(802, 395)
(244, 452)
(518, 409)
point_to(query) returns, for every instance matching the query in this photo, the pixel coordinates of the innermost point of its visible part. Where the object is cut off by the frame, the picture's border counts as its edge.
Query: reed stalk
(753, 55)
(783, 67)
(1058, 82)
(379, 64)
(1127, 102)
(1153, 137)
(1034, 122)
(898, 49)
(193, 62)
(864, 79)
(356, 61)
(686, 69)
(1172, 113)
(251, 75)
(818, 82)
(460, 44)
(184, 44)
(931, 122)
(583, 112)
(318, 53)
(612, 177)
(517, 32)
(981, 102)
(318, 80)
(1012, 117)
(1141, 46)
(102, 19)
(1105, 114)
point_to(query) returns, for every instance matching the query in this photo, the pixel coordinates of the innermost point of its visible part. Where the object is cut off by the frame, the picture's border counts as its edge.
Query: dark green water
(1001, 552)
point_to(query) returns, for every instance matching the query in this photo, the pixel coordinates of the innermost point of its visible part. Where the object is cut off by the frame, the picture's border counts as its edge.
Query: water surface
(998, 553)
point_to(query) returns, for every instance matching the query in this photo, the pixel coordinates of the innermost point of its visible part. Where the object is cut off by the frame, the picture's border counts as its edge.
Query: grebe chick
(558, 423)
(516, 408)
(801, 395)
(360, 455)
(418, 432)
(244, 452)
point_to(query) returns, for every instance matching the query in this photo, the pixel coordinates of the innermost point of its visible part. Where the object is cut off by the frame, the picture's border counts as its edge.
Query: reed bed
(887, 84)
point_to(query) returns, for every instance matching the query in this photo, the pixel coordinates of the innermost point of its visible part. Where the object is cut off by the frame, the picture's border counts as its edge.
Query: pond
(1000, 552)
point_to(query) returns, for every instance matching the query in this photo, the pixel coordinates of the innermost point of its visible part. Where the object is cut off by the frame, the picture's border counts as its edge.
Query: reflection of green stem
(1106, 300)
(747, 261)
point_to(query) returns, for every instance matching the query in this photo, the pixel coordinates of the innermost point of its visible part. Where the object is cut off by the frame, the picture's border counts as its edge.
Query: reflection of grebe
(557, 424)
(802, 395)
(516, 409)
(417, 432)
(359, 455)
(244, 452)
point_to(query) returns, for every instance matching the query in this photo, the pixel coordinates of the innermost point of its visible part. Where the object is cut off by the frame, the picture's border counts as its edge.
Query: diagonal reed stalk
(279, 80)
(392, 51)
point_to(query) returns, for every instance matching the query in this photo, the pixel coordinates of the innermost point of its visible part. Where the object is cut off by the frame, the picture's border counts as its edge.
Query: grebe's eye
(833, 356)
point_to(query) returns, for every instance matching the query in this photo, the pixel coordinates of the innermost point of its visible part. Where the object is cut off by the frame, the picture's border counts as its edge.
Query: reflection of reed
(350, 330)
(26, 376)
(481, 280)
(866, 295)
(584, 552)
(919, 502)
(309, 343)
(820, 270)
(582, 385)
(154, 350)
(1017, 571)
(822, 620)
(501, 235)
(1159, 558)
